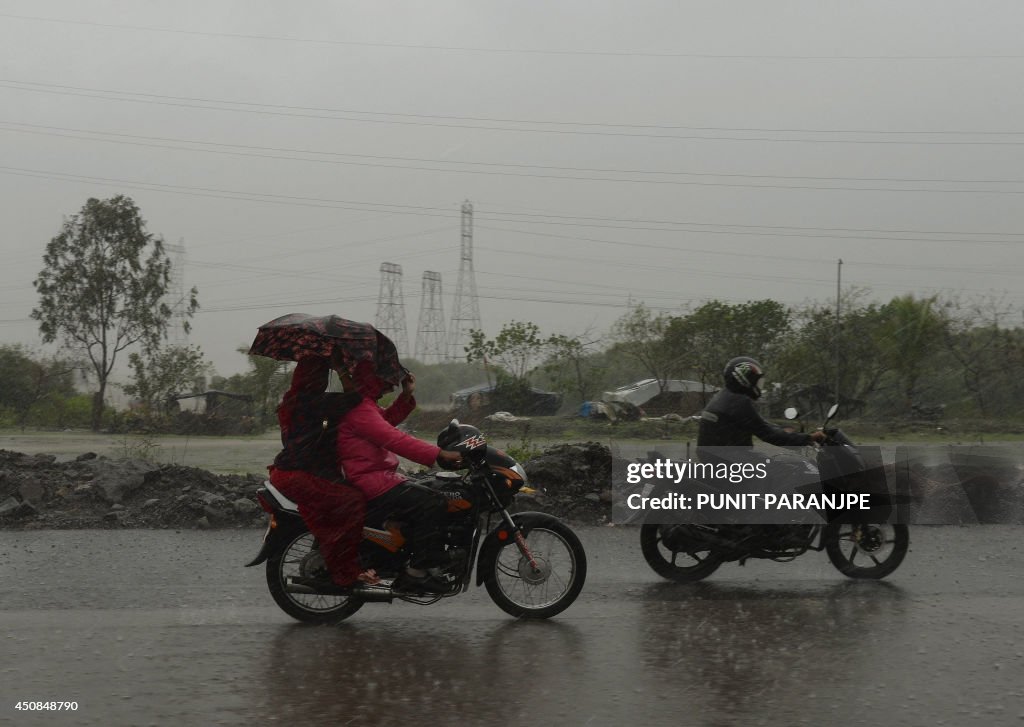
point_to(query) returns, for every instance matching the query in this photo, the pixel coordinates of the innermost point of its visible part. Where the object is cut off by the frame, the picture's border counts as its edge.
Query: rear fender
(283, 528)
(501, 537)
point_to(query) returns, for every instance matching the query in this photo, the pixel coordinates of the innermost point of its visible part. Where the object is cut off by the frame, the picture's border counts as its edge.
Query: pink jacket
(368, 443)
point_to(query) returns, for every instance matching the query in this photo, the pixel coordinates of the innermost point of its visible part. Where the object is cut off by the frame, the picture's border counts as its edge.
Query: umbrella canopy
(297, 335)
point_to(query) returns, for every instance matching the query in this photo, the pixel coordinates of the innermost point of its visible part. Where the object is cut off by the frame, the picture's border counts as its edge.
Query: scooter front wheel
(866, 551)
(676, 565)
(301, 557)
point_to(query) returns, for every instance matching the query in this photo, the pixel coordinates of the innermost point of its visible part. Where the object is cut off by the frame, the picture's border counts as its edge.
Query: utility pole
(466, 311)
(430, 333)
(839, 324)
(177, 334)
(391, 307)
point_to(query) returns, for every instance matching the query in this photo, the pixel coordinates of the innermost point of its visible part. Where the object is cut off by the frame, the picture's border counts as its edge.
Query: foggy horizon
(666, 154)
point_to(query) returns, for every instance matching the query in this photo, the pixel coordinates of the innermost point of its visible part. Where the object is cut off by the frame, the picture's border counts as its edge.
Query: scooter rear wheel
(301, 557)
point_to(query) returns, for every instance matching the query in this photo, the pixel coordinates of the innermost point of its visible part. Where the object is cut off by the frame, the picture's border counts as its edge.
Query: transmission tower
(391, 307)
(466, 312)
(430, 334)
(175, 296)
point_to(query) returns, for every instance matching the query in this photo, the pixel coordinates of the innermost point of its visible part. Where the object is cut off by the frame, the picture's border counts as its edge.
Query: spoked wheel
(302, 558)
(866, 551)
(522, 590)
(676, 565)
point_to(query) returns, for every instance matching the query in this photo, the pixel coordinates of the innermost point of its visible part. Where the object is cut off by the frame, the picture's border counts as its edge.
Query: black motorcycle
(690, 552)
(532, 564)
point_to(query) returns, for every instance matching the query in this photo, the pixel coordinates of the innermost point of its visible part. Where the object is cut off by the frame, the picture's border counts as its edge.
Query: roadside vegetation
(935, 367)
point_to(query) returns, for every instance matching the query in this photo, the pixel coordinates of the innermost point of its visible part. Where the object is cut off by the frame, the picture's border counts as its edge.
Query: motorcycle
(691, 552)
(531, 563)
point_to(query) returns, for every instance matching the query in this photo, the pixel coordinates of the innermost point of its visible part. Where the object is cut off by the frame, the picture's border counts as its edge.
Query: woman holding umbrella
(331, 486)
(306, 472)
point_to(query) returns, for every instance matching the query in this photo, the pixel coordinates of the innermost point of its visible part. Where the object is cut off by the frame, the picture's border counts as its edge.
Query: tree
(808, 358)
(28, 381)
(164, 372)
(103, 287)
(514, 350)
(641, 337)
(706, 338)
(511, 355)
(982, 346)
(266, 381)
(571, 365)
(912, 329)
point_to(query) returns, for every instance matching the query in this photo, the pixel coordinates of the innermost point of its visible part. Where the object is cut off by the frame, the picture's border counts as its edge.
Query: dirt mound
(96, 492)
(573, 481)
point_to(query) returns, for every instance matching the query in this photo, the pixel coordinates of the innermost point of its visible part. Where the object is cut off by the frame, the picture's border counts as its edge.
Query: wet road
(161, 628)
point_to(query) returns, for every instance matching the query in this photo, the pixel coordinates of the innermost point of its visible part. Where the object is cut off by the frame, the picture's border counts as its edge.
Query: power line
(15, 84)
(522, 218)
(517, 51)
(690, 223)
(131, 97)
(231, 150)
(748, 255)
(759, 277)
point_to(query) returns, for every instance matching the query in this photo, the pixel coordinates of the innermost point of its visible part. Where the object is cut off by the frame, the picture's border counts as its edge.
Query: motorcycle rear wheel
(302, 558)
(866, 551)
(696, 566)
(520, 591)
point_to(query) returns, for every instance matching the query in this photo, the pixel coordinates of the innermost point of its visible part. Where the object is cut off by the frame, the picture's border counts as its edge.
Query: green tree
(29, 382)
(706, 338)
(511, 356)
(808, 358)
(640, 336)
(981, 345)
(160, 374)
(912, 330)
(572, 366)
(514, 351)
(103, 287)
(266, 381)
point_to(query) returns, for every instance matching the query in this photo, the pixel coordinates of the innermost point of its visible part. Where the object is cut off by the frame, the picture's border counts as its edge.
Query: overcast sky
(665, 152)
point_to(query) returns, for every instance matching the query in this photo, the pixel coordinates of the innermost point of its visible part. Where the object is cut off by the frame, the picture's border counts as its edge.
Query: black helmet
(460, 437)
(742, 374)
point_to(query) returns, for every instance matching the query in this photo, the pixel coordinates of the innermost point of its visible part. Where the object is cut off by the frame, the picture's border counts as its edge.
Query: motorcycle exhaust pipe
(368, 594)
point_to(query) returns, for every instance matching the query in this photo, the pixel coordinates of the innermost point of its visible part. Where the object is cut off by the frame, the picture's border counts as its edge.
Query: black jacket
(730, 420)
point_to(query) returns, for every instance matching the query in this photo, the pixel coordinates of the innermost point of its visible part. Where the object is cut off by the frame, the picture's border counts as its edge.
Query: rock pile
(96, 492)
(573, 481)
(89, 491)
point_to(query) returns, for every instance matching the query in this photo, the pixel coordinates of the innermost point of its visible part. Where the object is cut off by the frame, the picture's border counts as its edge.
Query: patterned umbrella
(297, 335)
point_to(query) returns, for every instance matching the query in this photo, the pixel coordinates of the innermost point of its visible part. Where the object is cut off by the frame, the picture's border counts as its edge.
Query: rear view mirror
(791, 413)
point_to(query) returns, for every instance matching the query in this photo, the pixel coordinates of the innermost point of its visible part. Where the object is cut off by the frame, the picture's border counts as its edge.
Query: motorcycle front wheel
(521, 590)
(676, 565)
(866, 551)
(301, 557)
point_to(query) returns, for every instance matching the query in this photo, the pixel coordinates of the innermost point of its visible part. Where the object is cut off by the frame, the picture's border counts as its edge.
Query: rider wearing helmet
(731, 420)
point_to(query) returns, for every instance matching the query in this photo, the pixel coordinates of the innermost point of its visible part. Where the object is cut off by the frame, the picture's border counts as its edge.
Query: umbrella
(297, 335)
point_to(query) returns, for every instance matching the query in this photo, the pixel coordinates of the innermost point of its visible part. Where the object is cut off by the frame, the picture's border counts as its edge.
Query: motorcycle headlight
(518, 469)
